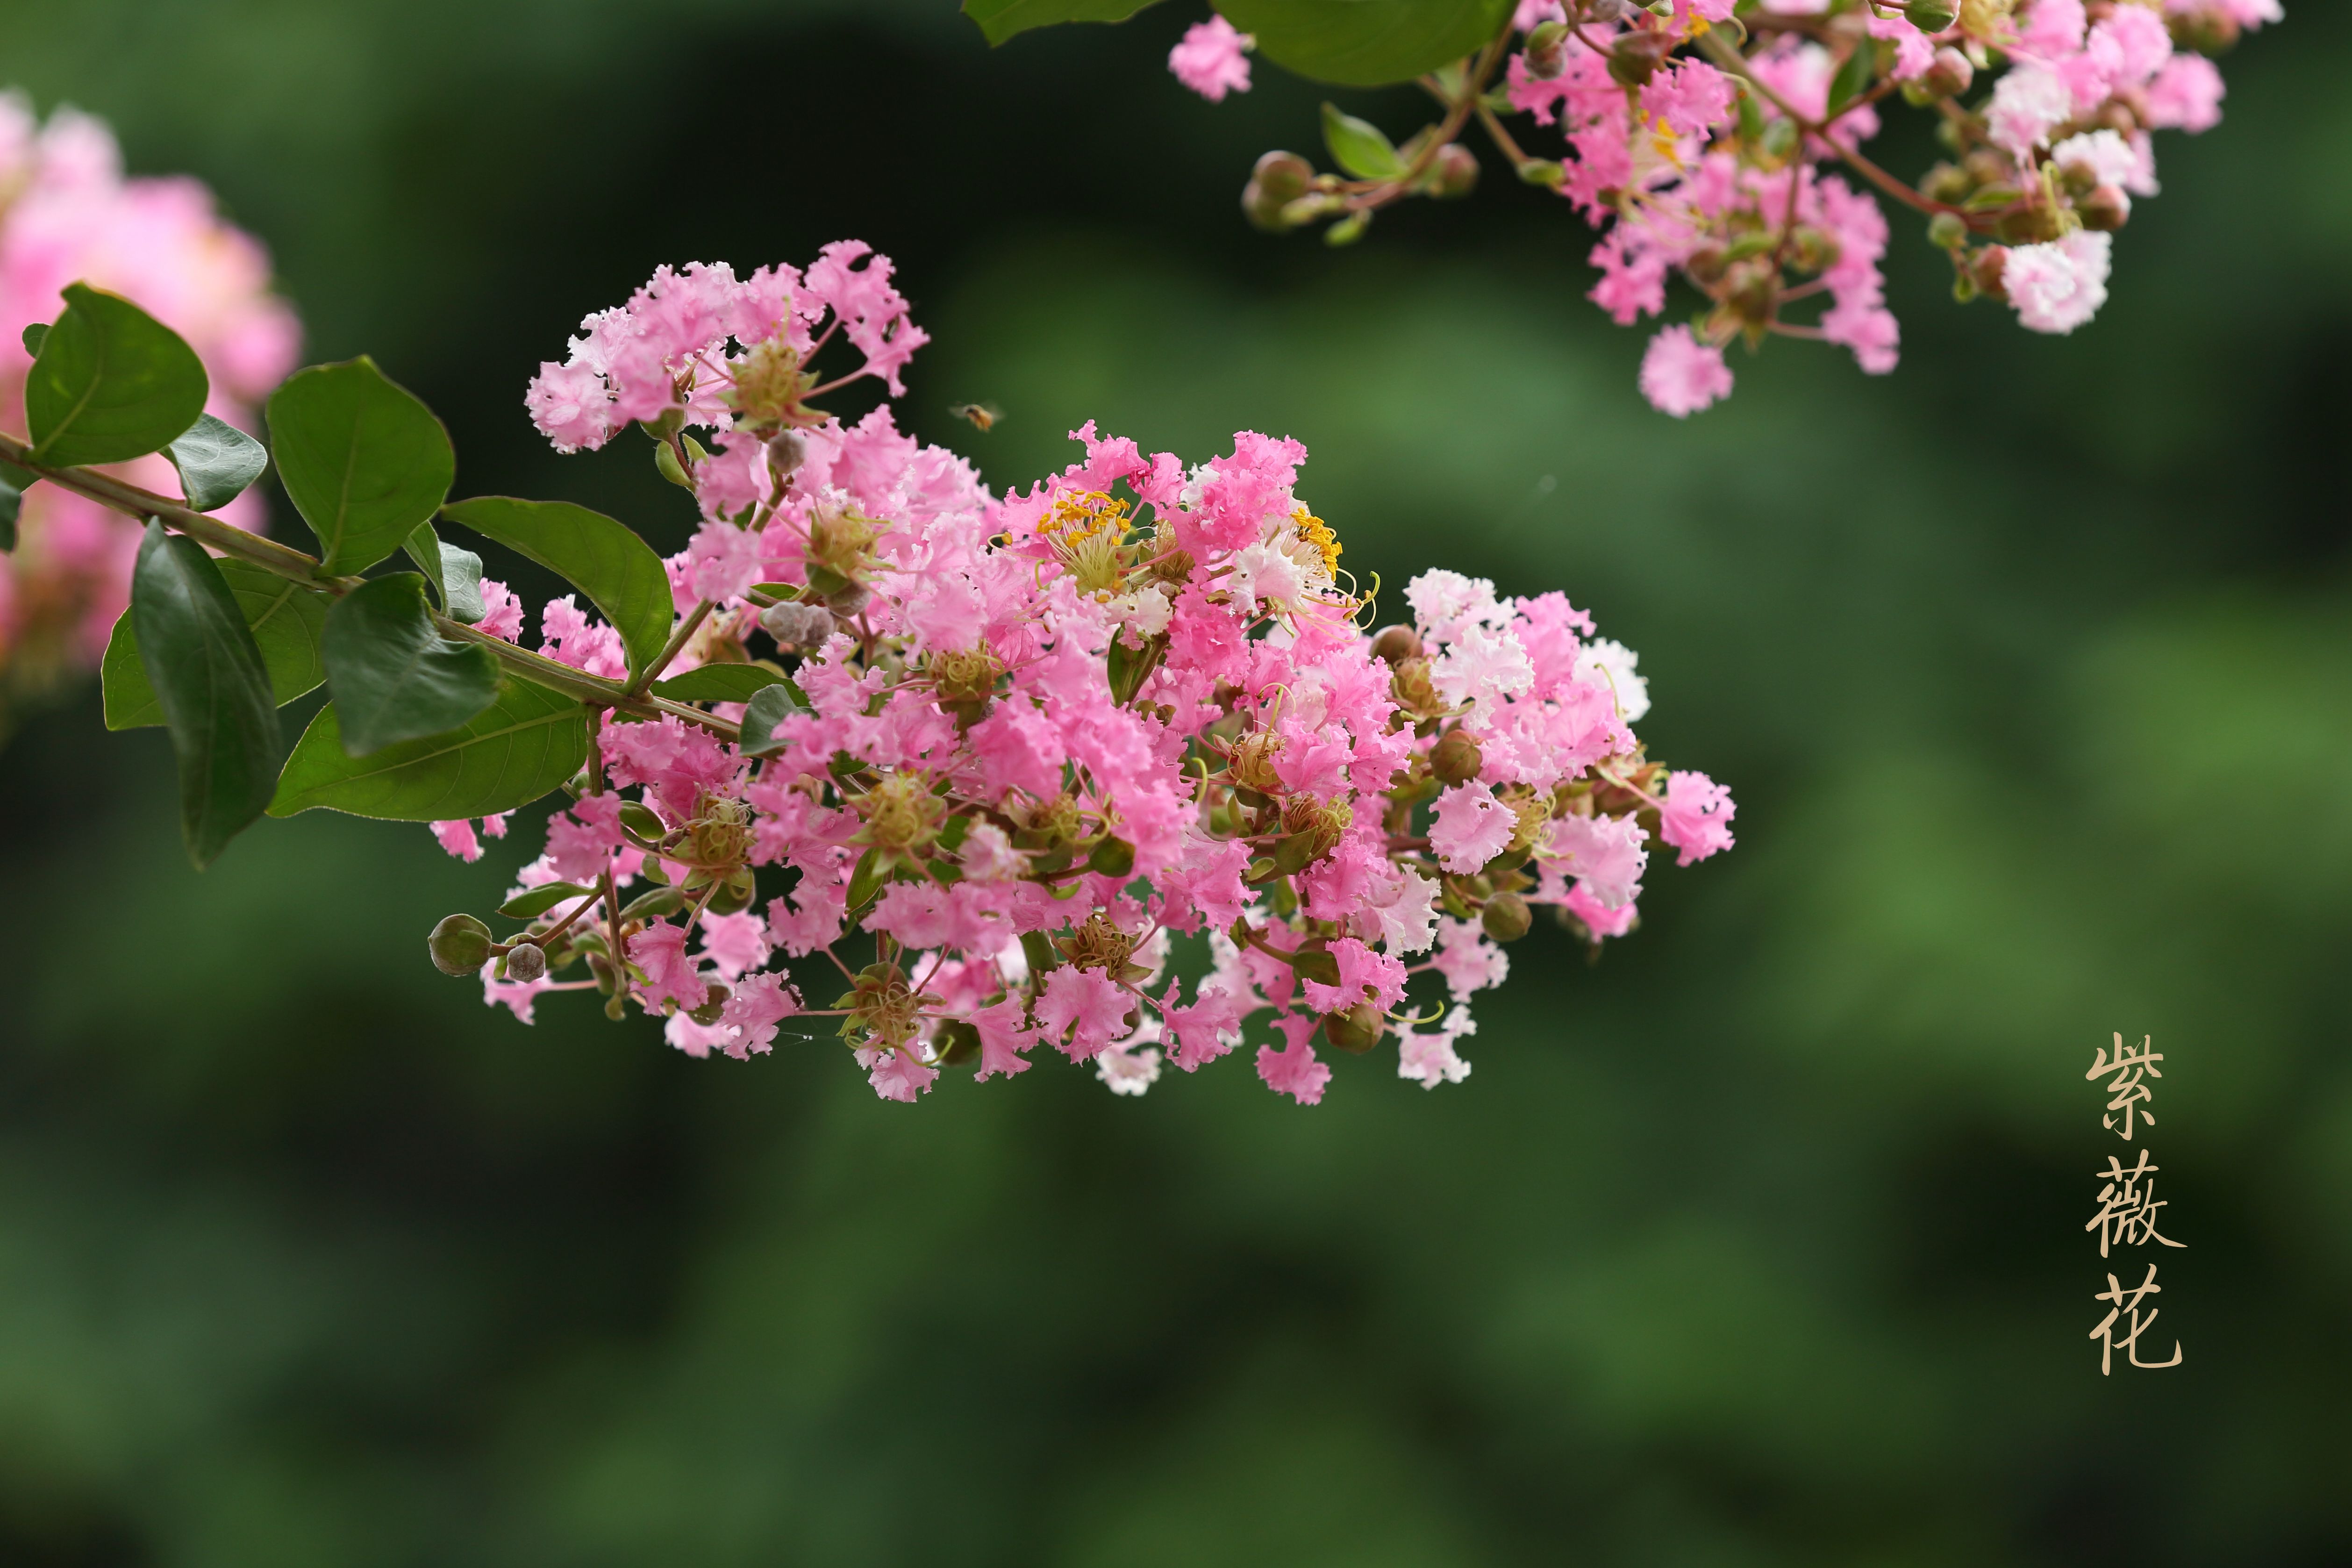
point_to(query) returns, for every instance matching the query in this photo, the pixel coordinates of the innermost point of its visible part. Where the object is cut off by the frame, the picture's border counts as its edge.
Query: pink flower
(1604, 854)
(897, 1076)
(1088, 1000)
(2027, 103)
(1364, 976)
(1212, 58)
(571, 406)
(1599, 919)
(735, 943)
(722, 562)
(1471, 828)
(1681, 375)
(2185, 95)
(758, 1004)
(1468, 960)
(1004, 1034)
(2057, 286)
(502, 611)
(1294, 1070)
(1688, 96)
(1695, 817)
(671, 976)
(458, 838)
(1430, 1059)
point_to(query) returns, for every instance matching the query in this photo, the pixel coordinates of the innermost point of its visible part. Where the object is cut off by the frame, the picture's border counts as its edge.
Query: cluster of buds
(1107, 766)
(1697, 134)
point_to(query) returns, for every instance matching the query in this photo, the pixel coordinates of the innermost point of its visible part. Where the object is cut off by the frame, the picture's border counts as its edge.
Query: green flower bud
(1283, 176)
(460, 944)
(2104, 209)
(1349, 229)
(1506, 917)
(1545, 51)
(1932, 15)
(525, 962)
(734, 895)
(1545, 171)
(714, 1003)
(1986, 269)
(1355, 1031)
(1948, 231)
(666, 462)
(1112, 857)
(1949, 75)
(1394, 645)
(1456, 758)
(1633, 59)
(1456, 169)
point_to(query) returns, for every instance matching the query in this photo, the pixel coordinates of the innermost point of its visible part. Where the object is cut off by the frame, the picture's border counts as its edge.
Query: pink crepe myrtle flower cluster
(68, 214)
(1698, 136)
(1104, 768)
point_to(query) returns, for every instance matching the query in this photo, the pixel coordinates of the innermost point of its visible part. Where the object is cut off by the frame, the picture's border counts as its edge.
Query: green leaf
(1001, 19)
(215, 690)
(1854, 77)
(34, 336)
(542, 899)
(456, 574)
(393, 676)
(768, 708)
(285, 619)
(1359, 146)
(719, 683)
(364, 461)
(601, 558)
(217, 461)
(525, 744)
(111, 382)
(1366, 43)
(864, 882)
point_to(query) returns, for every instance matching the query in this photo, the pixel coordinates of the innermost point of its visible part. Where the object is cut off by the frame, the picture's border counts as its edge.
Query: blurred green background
(1758, 1243)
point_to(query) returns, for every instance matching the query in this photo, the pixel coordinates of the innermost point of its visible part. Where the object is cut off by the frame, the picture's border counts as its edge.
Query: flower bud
(1948, 183)
(1932, 15)
(1394, 645)
(1266, 212)
(1948, 75)
(1633, 59)
(2106, 209)
(1457, 171)
(1506, 917)
(714, 1003)
(2208, 30)
(460, 944)
(1111, 858)
(796, 625)
(1456, 758)
(787, 450)
(1355, 1031)
(735, 894)
(1948, 231)
(526, 962)
(1986, 269)
(1549, 172)
(1547, 50)
(666, 461)
(1283, 176)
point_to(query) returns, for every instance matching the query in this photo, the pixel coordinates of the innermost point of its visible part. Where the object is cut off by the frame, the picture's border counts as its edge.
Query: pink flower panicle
(1102, 770)
(68, 214)
(1719, 176)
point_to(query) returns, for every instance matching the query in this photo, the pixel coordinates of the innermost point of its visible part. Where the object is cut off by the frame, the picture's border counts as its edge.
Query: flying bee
(983, 416)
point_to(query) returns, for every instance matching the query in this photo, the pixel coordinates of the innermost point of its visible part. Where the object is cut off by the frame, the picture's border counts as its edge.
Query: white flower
(2057, 286)
(2028, 104)
(1613, 662)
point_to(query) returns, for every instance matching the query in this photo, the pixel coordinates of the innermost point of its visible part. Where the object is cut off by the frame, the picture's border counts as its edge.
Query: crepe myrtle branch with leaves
(982, 759)
(1698, 135)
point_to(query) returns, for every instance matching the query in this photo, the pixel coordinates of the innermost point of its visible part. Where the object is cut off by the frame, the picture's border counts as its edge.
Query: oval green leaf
(601, 558)
(528, 740)
(455, 573)
(285, 619)
(719, 683)
(768, 708)
(1366, 43)
(208, 675)
(1360, 147)
(111, 382)
(393, 676)
(1001, 19)
(217, 461)
(364, 461)
(536, 902)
